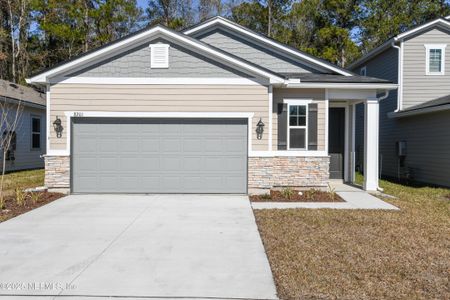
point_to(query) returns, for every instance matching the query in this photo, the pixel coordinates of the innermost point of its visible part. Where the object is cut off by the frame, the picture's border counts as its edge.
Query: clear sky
(142, 3)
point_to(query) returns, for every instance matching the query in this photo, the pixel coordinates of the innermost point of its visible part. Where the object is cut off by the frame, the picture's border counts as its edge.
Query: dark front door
(336, 141)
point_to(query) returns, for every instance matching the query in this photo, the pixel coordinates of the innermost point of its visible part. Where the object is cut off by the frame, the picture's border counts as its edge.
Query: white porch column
(371, 120)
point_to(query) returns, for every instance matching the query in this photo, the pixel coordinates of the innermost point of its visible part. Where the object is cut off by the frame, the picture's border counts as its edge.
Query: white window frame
(363, 70)
(153, 64)
(32, 117)
(429, 47)
(297, 102)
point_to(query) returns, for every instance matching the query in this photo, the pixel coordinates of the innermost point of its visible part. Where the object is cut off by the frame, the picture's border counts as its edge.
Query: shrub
(287, 192)
(20, 196)
(35, 197)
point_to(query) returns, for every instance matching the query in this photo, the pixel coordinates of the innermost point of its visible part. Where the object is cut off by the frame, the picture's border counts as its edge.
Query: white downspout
(400, 76)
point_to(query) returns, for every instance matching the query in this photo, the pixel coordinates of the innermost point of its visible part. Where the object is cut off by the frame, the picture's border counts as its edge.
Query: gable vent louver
(159, 56)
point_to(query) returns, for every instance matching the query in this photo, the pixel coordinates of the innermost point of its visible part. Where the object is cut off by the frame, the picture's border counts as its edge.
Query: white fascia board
(225, 22)
(400, 114)
(398, 38)
(424, 26)
(157, 80)
(367, 86)
(42, 78)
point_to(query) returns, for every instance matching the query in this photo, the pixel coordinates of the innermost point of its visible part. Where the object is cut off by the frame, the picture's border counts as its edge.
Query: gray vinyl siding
(183, 63)
(253, 52)
(428, 146)
(25, 157)
(384, 65)
(419, 87)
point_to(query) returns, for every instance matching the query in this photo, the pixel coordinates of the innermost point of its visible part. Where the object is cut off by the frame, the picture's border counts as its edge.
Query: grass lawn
(332, 254)
(23, 180)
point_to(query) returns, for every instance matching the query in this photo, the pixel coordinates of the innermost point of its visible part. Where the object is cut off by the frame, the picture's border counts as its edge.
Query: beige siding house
(417, 116)
(29, 140)
(216, 108)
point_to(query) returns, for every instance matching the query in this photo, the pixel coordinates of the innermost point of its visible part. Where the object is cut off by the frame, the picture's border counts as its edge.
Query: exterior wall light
(259, 129)
(58, 127)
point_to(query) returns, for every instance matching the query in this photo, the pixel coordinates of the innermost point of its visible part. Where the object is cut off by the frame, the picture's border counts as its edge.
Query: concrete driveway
(168, 246)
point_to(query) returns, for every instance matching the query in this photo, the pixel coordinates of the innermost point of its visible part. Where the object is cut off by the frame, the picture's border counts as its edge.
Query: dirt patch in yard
(333, 254)
(297, 196)
(12, 208)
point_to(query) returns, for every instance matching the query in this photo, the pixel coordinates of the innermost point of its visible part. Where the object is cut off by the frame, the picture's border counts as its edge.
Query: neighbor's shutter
(282, 126)
(312, 126)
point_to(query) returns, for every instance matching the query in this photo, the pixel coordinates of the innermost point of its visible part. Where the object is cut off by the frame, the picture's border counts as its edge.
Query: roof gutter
(331, 85)
(399, 75)
(419, 111)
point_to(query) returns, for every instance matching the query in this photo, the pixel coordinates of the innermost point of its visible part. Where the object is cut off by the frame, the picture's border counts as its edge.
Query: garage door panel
(159, 155)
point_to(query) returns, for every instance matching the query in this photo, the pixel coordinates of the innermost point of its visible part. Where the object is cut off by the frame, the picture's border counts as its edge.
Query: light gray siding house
(29, 140)
(417, 116)
(216, 108)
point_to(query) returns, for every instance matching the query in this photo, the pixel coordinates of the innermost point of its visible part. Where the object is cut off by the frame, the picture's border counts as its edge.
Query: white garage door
(120, 155)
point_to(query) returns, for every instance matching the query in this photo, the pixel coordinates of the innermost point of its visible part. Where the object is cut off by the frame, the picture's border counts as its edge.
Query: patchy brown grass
(331, 254)
(23, 180)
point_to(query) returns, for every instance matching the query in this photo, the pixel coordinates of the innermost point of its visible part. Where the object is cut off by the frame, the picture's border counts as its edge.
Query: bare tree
(9, 122)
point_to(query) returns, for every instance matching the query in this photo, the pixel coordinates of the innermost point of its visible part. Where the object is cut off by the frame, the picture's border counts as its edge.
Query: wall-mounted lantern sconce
(259, 129)
(58, 127)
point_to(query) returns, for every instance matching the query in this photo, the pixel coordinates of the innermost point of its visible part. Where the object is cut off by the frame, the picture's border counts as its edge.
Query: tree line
(37, 34)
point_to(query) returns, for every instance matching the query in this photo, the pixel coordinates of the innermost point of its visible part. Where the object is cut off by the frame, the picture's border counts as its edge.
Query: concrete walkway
(355, 198)
(135, 246)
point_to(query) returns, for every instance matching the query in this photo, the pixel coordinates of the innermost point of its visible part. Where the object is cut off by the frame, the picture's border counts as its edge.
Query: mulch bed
(11, 209)
(298, 196)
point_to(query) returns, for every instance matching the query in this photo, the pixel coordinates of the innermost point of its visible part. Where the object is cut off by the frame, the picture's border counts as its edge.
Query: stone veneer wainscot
(281, 171)
(57, 171)
(263, 172)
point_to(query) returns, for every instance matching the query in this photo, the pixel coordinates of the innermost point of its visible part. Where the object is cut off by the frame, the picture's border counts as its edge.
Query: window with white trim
(363, 71)
(297, 127)
(435, 59)
(159, 56)
(35, 132)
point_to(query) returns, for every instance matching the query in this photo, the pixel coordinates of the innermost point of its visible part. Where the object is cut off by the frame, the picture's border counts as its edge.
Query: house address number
(77, 114)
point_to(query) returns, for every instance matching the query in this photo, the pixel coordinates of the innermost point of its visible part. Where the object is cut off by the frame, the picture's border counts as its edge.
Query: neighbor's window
(435, 59)
(297, 126)
(35, 132)
(12, 138)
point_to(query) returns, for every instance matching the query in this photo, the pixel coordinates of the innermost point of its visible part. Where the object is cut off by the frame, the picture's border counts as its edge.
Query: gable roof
(266, 41)
(141, 35)
(21, 93)
(400, 37)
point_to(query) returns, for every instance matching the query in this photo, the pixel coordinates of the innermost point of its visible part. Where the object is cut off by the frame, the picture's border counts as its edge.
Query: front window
(35, 132)
(435, 57)
(297, 127)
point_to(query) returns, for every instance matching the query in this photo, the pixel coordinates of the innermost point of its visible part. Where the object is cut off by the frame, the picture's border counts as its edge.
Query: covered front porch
(341, 135)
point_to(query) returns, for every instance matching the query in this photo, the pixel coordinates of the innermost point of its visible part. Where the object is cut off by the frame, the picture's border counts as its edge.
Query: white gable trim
(419, 28)
(225, 22)
(43, 78)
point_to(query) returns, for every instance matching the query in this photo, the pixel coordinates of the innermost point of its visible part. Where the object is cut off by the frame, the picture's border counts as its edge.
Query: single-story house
(216, 108)
(28, 140)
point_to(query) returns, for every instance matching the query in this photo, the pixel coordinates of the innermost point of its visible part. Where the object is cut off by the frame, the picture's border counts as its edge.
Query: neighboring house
(161, 111)
(28, 140)
(415, 121)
